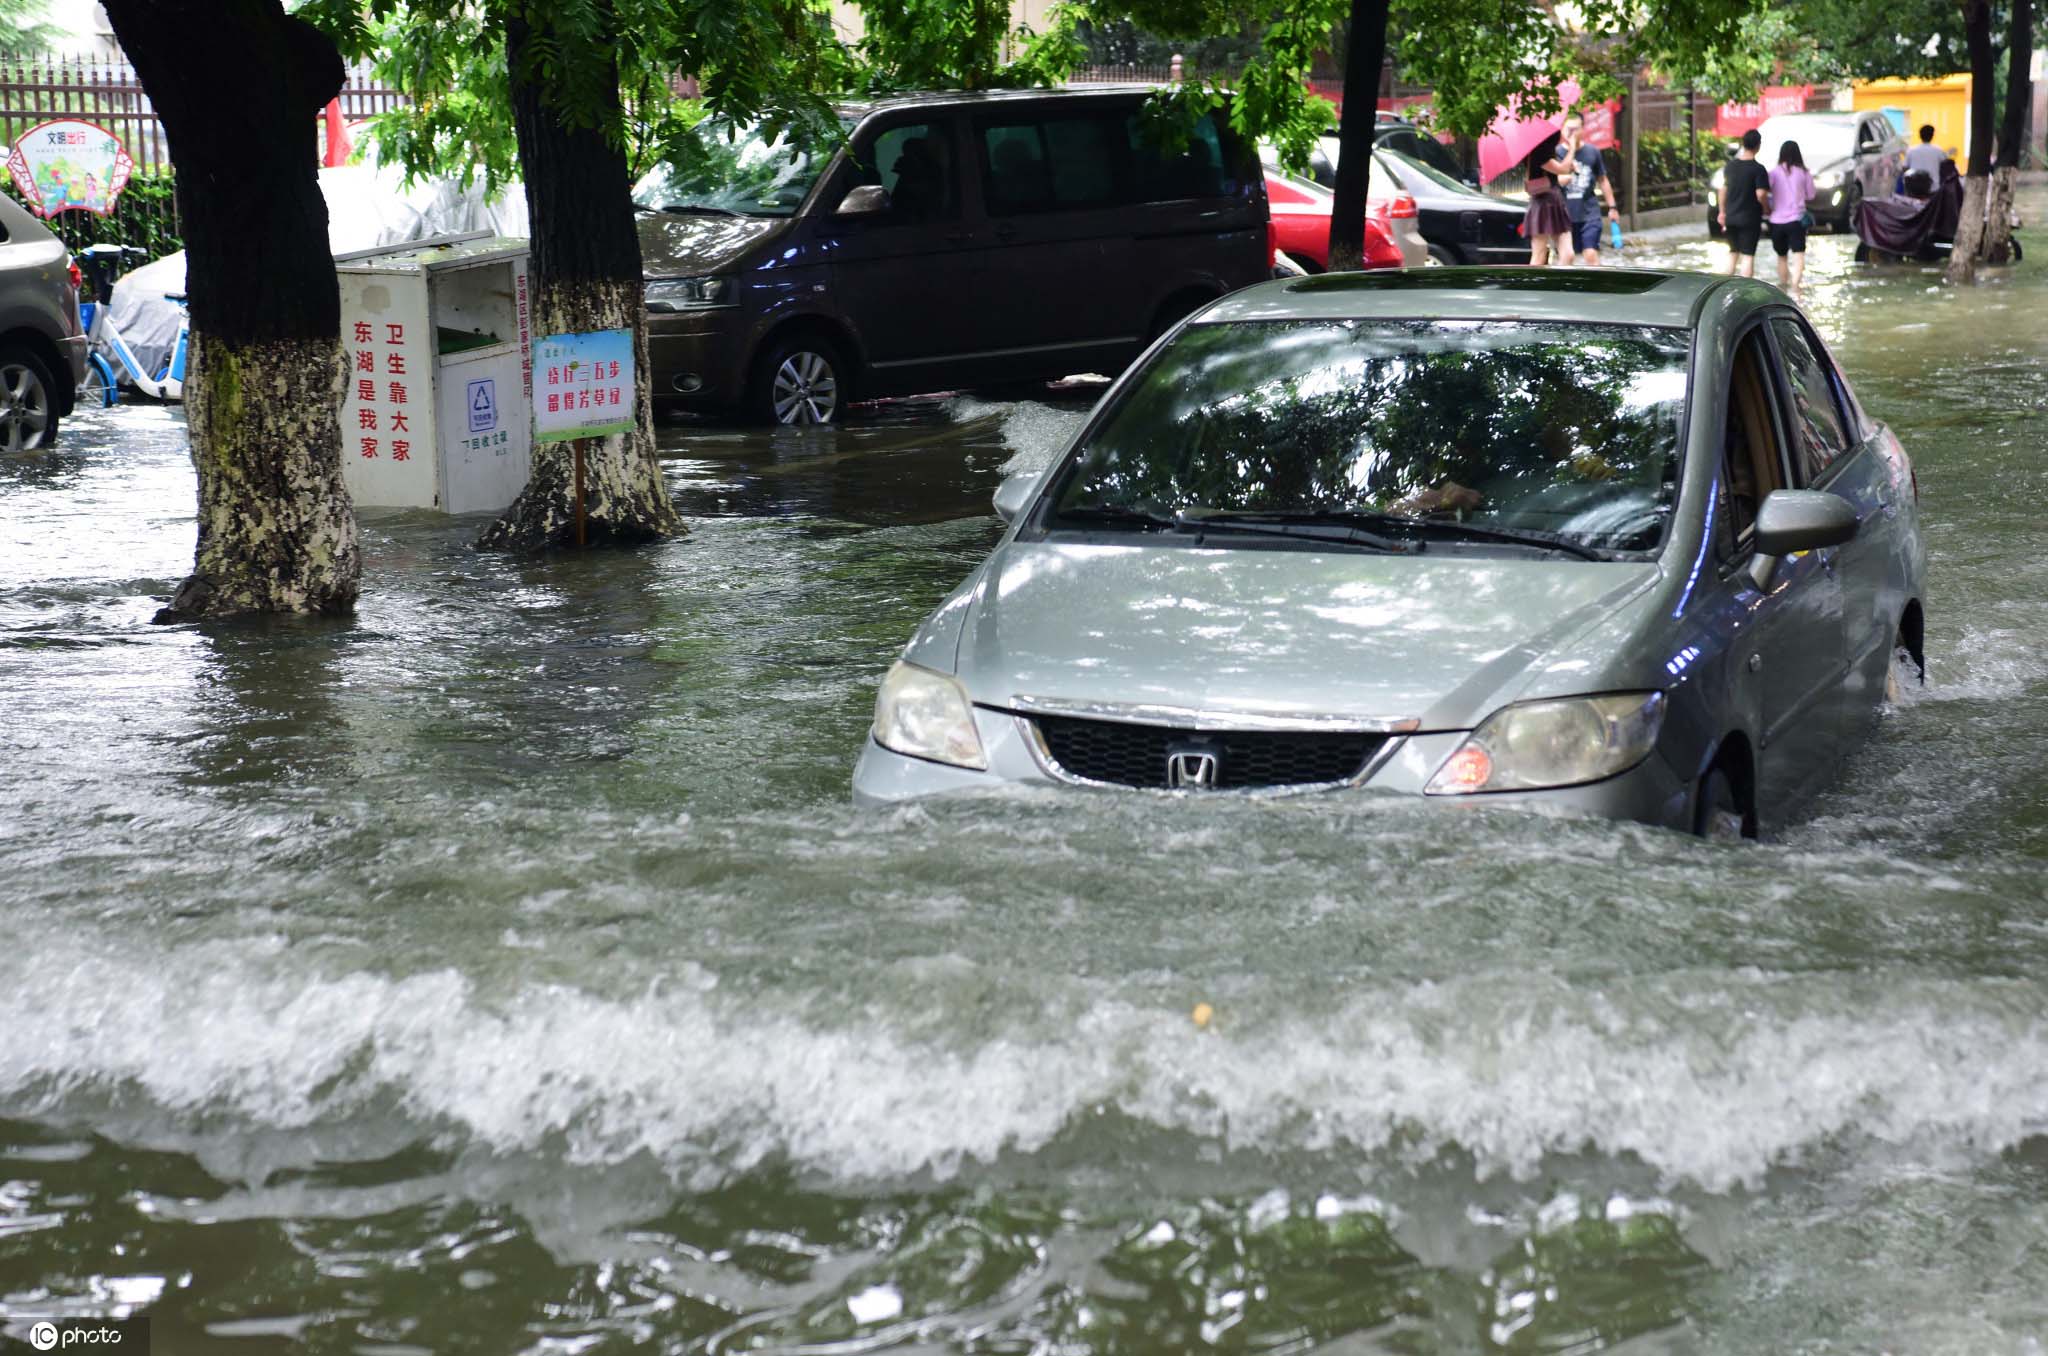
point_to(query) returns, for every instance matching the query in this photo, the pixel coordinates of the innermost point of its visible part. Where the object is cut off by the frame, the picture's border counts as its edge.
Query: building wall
(1944, 102)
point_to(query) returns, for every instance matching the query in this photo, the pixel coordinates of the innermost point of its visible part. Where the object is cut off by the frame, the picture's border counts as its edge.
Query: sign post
(69, 166)
(582, 388)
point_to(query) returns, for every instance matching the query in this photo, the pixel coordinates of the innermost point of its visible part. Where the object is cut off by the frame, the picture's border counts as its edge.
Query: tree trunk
(1365, 53)
(263, 390)
(586, 264)
(2012, 132)
(1969, 244)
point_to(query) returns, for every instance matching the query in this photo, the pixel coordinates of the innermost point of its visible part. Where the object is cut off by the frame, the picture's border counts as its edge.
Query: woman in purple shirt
(1791, 190)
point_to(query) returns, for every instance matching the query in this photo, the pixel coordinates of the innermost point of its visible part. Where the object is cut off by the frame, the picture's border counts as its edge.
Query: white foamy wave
(1709, 1078)
(1035, 434)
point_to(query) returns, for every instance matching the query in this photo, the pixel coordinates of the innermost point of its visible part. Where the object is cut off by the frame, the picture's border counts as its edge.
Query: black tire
(1302, 261)
(1714, 226)
(1717, 813)
(1441, 254)
(799, 380)
(28, 401)
(2017, 253)
(1863, 251)
(1847, 221)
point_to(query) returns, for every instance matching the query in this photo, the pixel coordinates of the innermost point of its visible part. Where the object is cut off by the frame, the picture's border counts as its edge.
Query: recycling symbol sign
(483, 406)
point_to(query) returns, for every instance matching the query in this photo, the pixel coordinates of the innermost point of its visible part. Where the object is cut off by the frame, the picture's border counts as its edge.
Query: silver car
(42, 349)
(1614, 542)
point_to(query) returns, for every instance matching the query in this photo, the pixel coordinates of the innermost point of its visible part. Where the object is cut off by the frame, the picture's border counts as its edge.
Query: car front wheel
(28, 416)
(1718, 814)
(799, 380)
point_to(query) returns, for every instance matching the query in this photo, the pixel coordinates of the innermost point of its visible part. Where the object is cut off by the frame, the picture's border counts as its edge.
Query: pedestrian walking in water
(1744, 187)
(1548, 224)
(1587, 188)
(1791, 190)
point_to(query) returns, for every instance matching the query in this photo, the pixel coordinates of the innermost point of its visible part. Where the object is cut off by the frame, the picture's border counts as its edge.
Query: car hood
(1438, 640)
(677, 245)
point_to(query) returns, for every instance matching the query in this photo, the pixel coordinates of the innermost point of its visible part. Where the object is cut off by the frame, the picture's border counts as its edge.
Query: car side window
(1197, 168)
(1752, 463)
(1048, 163)
(1819, 432)
(914, 163)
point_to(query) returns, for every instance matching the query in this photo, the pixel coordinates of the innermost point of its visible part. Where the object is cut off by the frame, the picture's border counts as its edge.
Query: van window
(1198, 169)
(1047, 163)
(915, 163)
(1819, 433)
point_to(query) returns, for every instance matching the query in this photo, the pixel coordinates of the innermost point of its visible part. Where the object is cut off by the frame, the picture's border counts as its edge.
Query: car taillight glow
(77, 278)
(1404, 206)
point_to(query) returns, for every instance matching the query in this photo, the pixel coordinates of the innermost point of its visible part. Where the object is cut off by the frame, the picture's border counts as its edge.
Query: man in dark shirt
(1745, 188)
(1583, 193)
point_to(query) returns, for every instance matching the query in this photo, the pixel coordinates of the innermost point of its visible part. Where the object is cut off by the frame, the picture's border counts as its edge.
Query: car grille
(1124, 754)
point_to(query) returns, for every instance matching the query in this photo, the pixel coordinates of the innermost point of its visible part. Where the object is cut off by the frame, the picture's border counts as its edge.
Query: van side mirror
(1013, 496)
(1799, 520)
(863, 200)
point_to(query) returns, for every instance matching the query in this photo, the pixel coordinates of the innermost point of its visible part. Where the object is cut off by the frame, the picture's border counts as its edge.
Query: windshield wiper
(1546, 541)
(1117, 513)
(687, 209)
(1351, 528)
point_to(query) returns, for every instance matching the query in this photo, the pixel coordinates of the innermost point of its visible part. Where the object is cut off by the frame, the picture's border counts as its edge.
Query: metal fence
(40, 89)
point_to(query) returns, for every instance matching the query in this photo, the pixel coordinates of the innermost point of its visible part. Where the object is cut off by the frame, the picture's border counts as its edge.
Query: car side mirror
(863, 200)
(1798, 520)
(1013, 496)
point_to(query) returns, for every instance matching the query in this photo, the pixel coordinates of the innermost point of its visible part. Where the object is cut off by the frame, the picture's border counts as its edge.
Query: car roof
(949, 97)
(1608, 296)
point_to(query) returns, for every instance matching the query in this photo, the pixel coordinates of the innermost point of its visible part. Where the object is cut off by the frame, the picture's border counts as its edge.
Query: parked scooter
(110, 361)
(1919, 224)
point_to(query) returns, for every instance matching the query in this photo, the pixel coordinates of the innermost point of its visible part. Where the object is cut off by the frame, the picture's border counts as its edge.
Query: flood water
(507, 971)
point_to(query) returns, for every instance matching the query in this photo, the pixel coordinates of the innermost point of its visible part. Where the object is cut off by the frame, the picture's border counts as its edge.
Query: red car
(1300, 223)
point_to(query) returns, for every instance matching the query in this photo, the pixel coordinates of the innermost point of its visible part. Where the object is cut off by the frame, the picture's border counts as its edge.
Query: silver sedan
(1614, 542)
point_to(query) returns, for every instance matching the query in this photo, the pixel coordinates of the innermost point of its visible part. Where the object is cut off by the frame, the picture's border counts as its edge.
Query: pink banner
(1732, 120)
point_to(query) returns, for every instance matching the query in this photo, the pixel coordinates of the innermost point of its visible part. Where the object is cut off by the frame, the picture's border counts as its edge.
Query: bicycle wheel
(99, 388)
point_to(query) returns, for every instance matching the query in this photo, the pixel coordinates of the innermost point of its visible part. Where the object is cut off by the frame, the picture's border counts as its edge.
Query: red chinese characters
(369, 446)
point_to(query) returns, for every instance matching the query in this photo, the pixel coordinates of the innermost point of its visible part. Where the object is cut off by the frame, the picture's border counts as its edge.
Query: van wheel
(1448, 258)
(1717, 814)
(28, 414)
(800, 379)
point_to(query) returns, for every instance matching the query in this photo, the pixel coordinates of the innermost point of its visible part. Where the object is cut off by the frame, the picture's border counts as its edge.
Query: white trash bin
(437, 412)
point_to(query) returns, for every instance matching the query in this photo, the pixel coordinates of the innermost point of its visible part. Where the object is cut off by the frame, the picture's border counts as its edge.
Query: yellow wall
(1944, 102)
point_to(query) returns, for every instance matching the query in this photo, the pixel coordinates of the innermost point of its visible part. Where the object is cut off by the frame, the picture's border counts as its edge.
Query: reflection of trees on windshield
(755, 171)
(1559, 428)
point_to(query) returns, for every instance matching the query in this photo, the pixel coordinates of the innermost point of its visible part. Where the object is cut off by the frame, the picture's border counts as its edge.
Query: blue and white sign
(582, 385)
(483, 406)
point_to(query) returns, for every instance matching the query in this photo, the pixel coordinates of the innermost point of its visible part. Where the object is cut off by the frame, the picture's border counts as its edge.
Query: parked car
(1301, 211)
(1852, 156)
(42, 346)
(1405, 138)
(1601, 541)
(957, 239)
(1459, 224)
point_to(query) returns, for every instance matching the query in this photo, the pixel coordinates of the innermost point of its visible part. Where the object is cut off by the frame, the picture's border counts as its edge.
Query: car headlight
(1558, 742)
(1713, 198)
(1828, 179)
(927, 715)
(1718, 180)
(688, 294)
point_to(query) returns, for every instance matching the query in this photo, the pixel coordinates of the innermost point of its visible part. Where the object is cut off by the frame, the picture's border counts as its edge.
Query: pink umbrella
(1511, 138)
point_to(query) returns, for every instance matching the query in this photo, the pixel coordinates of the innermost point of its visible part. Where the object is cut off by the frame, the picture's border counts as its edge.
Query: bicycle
(109, 359)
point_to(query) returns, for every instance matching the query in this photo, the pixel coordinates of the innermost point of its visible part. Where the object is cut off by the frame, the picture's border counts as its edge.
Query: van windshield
(749, 169)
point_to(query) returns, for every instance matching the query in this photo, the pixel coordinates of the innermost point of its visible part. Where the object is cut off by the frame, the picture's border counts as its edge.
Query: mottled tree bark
(2012, 132)
(586, 264)
(1365, 52)
(237, 84)
(1969, 244)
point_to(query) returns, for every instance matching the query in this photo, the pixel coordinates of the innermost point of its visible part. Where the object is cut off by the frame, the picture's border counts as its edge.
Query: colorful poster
(1732, 120)
(69, 167)
(582, 385)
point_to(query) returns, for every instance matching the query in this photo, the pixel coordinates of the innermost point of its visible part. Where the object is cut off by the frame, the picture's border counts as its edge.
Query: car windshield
(1820, 143)
(1405, 169)
(1569, 431)
(748, 170)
